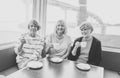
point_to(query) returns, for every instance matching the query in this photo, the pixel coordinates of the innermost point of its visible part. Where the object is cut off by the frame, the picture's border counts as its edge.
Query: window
(61, 9)
(14, 17)
(108, 12)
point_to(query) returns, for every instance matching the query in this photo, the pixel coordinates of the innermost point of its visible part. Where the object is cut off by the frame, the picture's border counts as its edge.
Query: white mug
(56, 45)
(83, 44)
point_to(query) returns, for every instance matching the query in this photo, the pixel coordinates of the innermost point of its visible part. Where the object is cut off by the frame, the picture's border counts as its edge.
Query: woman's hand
(52, 51)
(20, 51)
(21, 45)
(33, 57)
(23, 41)
(77, 44)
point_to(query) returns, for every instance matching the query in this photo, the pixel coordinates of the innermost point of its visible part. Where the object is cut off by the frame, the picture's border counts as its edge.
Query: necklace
(59, 39)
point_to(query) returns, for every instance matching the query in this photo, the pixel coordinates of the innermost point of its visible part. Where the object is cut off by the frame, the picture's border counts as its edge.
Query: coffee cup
(83, 44)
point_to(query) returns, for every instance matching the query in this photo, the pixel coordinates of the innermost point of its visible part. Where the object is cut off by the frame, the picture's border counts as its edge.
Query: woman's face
(60, 29)
(86, 32)
(33, 28)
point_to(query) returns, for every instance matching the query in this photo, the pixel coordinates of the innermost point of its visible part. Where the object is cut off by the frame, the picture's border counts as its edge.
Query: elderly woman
(58, 43)
(30, 45)
(86, 49)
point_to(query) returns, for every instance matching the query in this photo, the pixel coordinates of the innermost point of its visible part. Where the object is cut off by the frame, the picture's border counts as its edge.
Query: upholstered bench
(110, 51)
(110, 55)
(7, 59)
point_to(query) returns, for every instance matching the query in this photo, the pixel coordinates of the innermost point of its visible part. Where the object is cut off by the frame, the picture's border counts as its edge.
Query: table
(66, 69)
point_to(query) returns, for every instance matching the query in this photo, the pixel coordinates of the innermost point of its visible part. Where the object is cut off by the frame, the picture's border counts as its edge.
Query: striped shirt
(32, 45)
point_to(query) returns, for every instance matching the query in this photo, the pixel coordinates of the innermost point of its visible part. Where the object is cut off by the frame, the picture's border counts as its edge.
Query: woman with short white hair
(86, 49)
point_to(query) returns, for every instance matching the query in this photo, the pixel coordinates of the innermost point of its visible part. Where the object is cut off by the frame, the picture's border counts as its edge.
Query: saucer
(35, 65)
(83, 66)
(56, 59)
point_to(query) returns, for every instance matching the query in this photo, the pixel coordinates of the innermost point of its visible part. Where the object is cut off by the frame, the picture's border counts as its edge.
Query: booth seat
(110, 55)
(111, 59)
(7, 59)
(7, 56)
(110, 51)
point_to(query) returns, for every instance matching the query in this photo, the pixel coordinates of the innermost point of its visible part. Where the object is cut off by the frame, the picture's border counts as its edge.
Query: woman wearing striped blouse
(30, 46)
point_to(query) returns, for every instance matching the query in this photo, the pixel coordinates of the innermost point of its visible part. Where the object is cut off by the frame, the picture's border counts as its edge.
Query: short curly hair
(86, 25)
(35, 23)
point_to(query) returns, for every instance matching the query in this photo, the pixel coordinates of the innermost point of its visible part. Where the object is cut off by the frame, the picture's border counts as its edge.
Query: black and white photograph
(59, 39)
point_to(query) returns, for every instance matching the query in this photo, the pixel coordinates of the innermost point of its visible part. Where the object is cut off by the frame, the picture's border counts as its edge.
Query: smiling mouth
(84, 33)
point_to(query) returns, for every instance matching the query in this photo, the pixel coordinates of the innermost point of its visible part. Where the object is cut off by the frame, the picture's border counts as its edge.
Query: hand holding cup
(77, 44)
(23, 41)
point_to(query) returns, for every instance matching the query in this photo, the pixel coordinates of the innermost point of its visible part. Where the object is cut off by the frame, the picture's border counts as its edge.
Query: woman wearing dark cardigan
(86, 49)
